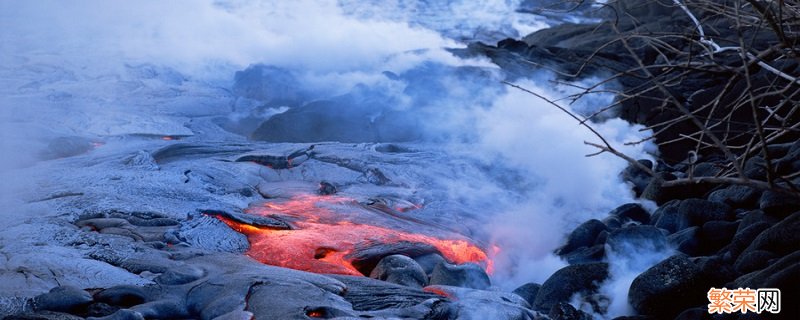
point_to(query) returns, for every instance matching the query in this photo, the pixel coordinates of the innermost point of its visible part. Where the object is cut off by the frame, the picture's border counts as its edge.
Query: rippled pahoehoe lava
(327, 230)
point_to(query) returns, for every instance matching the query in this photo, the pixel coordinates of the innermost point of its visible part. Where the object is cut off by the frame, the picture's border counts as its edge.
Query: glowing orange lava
(327, 229)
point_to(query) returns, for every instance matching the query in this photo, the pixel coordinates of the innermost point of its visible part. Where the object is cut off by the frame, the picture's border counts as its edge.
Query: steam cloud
(332, 47)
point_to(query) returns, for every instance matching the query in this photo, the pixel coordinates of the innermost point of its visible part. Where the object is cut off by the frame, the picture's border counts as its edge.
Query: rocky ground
(122, 224)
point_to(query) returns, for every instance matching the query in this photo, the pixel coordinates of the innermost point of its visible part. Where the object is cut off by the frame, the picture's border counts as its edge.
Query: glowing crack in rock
(328, 230)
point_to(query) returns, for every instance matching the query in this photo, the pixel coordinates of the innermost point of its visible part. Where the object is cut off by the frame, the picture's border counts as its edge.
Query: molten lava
(327, 230)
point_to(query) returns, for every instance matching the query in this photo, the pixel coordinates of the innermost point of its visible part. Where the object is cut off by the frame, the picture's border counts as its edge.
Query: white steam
(331, 46)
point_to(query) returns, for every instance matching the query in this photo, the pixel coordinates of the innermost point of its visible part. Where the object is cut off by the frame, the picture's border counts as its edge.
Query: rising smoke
(385, 51)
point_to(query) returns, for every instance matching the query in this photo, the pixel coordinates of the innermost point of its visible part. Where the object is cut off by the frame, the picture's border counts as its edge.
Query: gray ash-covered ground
(135, 175)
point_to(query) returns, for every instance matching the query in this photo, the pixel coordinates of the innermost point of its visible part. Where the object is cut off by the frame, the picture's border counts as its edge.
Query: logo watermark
(744, 300)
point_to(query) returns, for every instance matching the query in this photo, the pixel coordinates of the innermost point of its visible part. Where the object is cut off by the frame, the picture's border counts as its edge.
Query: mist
(76, 69)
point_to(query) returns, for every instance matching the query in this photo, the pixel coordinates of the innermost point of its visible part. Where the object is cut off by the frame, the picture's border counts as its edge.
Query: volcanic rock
(676, 280)
(123, 296)
(783, 274)
(715, 270)
(634, 238)
(680, 214)
(638, 177)
(756, 216)
(565, 311)
(778, 204)
(466, 303)
(62, 299)
(326, 188)
(736, 196)
(400, 270)
(43, 315)
(744, 237)
(632, 211)
(583, 236)
(570, 280)
(714, 235)
(429, 261)
(366, 256)
(467, 275)
(754, 260)
(782, 238)
(528, 291)
(367, 294)
(595, 253)
(686, 241)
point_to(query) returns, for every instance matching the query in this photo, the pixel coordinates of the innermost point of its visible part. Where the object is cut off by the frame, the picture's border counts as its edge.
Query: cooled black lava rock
(569, 280)
(583, 236)
(756, 216)
(595, 253)
(694, 314)
(638, 177)
(326, 188)
(632, 211)
(467, 275)
(565, 311)
(366, 256)
(783, 274)
(680, 214)
(429, 261)
(43, 315)
(180, 275)
(778, 204)
(675, 280)
(123, 296)
(400, 270)
(714, 235)
(63, 299)
(754, 260)
(370, 294)
(686, 241)
(782, 238)
(743, 238)
(634, 238)
(715, 271)
(736, 196)
(528, 291)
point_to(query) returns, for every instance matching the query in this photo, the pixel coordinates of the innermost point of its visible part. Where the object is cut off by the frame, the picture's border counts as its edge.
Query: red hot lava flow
(327, 229)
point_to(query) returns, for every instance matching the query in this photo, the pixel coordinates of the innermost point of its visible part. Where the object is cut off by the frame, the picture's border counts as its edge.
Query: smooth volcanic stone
(180, 275)
(366, 294)
(569, 280)
(595, 253)
(565, 311)
(123, 296)
(736, 196)
(778, 204)
(635, 238)
(365, 257)
(744, 237)
(402, 270)
(783, 274)
(583, 236)
(782, 238)
(62, 299)
(716, 234)
(686, 241)
(676, 280)
(677, 215)
(754, 260)
(632, 211)
(429, 261)
(467, 275)
(528, 291)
